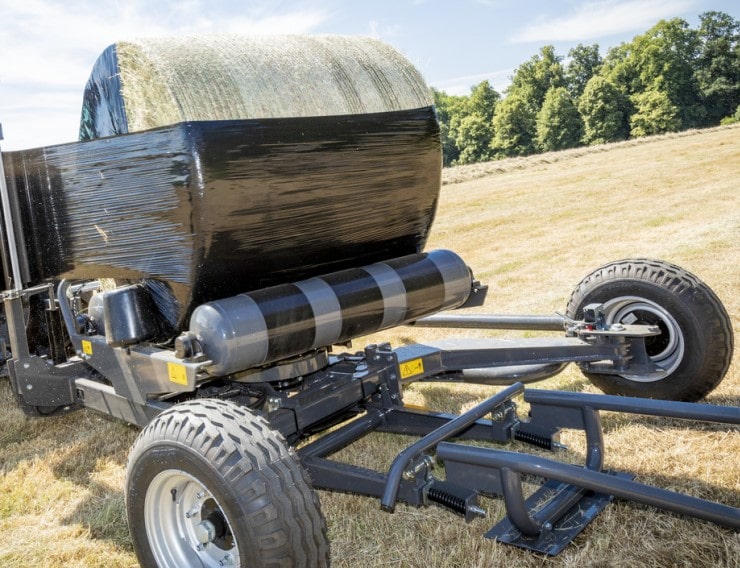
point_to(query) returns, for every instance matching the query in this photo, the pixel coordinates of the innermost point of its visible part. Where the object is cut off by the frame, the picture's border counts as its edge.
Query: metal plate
(553, 541)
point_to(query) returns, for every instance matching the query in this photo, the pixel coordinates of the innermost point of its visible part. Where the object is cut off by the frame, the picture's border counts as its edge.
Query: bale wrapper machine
(203, 280)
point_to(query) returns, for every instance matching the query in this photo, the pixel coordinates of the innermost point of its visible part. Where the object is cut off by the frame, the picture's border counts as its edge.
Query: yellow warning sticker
(87, 347)
(177, 373)
(412, 368)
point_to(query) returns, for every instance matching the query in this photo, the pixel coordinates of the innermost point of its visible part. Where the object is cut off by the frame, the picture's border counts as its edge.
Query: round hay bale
(149, 83)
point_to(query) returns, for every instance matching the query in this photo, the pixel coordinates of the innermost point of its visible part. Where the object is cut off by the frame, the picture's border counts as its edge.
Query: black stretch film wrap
(103, 112)
(212, 209)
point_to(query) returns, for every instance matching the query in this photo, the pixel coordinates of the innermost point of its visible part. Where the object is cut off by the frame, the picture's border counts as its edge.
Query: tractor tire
(694, 349)
(209, 483)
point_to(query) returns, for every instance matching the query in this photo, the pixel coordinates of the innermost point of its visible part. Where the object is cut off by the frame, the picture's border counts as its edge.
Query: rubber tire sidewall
(254, 476)
(691, 307)
(170, 456)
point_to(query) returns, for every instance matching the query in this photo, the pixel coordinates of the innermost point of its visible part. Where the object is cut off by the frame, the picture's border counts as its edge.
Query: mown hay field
(531, 229)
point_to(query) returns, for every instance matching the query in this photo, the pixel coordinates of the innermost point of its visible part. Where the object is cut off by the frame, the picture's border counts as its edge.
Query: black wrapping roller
(275, 323)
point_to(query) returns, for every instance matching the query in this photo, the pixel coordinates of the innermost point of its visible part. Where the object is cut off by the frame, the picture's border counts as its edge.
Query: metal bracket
(554, 537)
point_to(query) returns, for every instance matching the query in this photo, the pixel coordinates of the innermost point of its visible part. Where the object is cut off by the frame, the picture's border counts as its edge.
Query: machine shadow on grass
(102, 511)
(73, 453)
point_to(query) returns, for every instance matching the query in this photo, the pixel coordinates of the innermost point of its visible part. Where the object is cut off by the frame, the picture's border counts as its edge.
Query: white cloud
(461, 85)
(602, 18)
(49, 47)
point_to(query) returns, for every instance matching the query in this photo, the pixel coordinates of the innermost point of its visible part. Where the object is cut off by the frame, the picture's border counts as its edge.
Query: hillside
(530, 228)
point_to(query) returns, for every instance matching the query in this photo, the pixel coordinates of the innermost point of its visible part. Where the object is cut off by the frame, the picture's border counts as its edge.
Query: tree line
(670, 78)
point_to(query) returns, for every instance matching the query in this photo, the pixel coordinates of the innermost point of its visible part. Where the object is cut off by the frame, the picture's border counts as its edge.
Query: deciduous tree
(559, 126)
(603, 109)
(585, 62)
(514, 126)
(718, 64)
(536, 76)
(654, 114)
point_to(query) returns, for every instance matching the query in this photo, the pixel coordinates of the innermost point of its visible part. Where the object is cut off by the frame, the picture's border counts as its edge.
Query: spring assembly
(534, 439)
(448, 500)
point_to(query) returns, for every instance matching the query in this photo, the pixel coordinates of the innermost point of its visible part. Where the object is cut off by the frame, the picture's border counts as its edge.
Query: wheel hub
(186, 525)
(665, 350)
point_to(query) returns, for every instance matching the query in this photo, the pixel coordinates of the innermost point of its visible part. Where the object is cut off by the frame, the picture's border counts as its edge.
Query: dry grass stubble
(531, 234)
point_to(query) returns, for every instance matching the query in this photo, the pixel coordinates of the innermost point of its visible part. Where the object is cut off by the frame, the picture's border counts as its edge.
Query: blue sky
(48, 47)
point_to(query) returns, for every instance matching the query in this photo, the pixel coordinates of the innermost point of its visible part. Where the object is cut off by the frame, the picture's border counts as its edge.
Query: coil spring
(448, 500)
(534, 439)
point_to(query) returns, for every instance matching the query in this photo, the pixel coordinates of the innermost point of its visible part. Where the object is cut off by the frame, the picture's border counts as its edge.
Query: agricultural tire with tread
(694, 348)
(209, 483)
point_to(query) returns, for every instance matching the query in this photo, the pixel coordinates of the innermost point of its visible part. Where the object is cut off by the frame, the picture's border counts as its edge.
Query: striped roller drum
(267, 325)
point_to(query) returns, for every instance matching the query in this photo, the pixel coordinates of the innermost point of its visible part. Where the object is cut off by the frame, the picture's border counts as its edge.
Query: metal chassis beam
(472, 470)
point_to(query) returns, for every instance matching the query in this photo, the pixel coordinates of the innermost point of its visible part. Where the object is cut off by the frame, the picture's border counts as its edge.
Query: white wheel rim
(186, 525)
(666, 350)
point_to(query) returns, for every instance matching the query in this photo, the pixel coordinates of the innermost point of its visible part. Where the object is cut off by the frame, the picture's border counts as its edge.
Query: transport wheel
(210, 484)
(695, 345)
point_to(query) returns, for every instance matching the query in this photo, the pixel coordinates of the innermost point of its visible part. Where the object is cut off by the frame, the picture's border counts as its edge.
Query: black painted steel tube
(511, 484)
(593, 480)
(344, 436)
(452, 428)
(667, 408)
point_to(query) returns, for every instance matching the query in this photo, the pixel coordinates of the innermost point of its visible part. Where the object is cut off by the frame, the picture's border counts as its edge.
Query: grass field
(531, 229)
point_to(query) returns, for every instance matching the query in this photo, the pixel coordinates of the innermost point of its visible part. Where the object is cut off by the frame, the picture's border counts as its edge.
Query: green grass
(531, 229)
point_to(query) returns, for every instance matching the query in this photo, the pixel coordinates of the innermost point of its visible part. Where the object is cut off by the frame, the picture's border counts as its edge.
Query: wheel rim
(186, 525)
(665, 350)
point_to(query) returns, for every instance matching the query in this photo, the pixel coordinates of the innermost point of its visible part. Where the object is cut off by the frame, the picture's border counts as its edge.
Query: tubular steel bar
(395, 473)
(9, 228)
(593, 480)
(493, 321)
(344, 435)
(665, 408)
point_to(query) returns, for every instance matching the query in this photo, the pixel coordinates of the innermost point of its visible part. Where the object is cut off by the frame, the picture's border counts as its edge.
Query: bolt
(200, 547)
(477, 510)
(199, 495)
(227, 560)
(205, 532)
(547, 526)
(192, 512)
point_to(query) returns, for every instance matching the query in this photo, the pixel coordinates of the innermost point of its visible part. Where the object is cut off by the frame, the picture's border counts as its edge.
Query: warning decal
(177, 373)
(412, 368)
